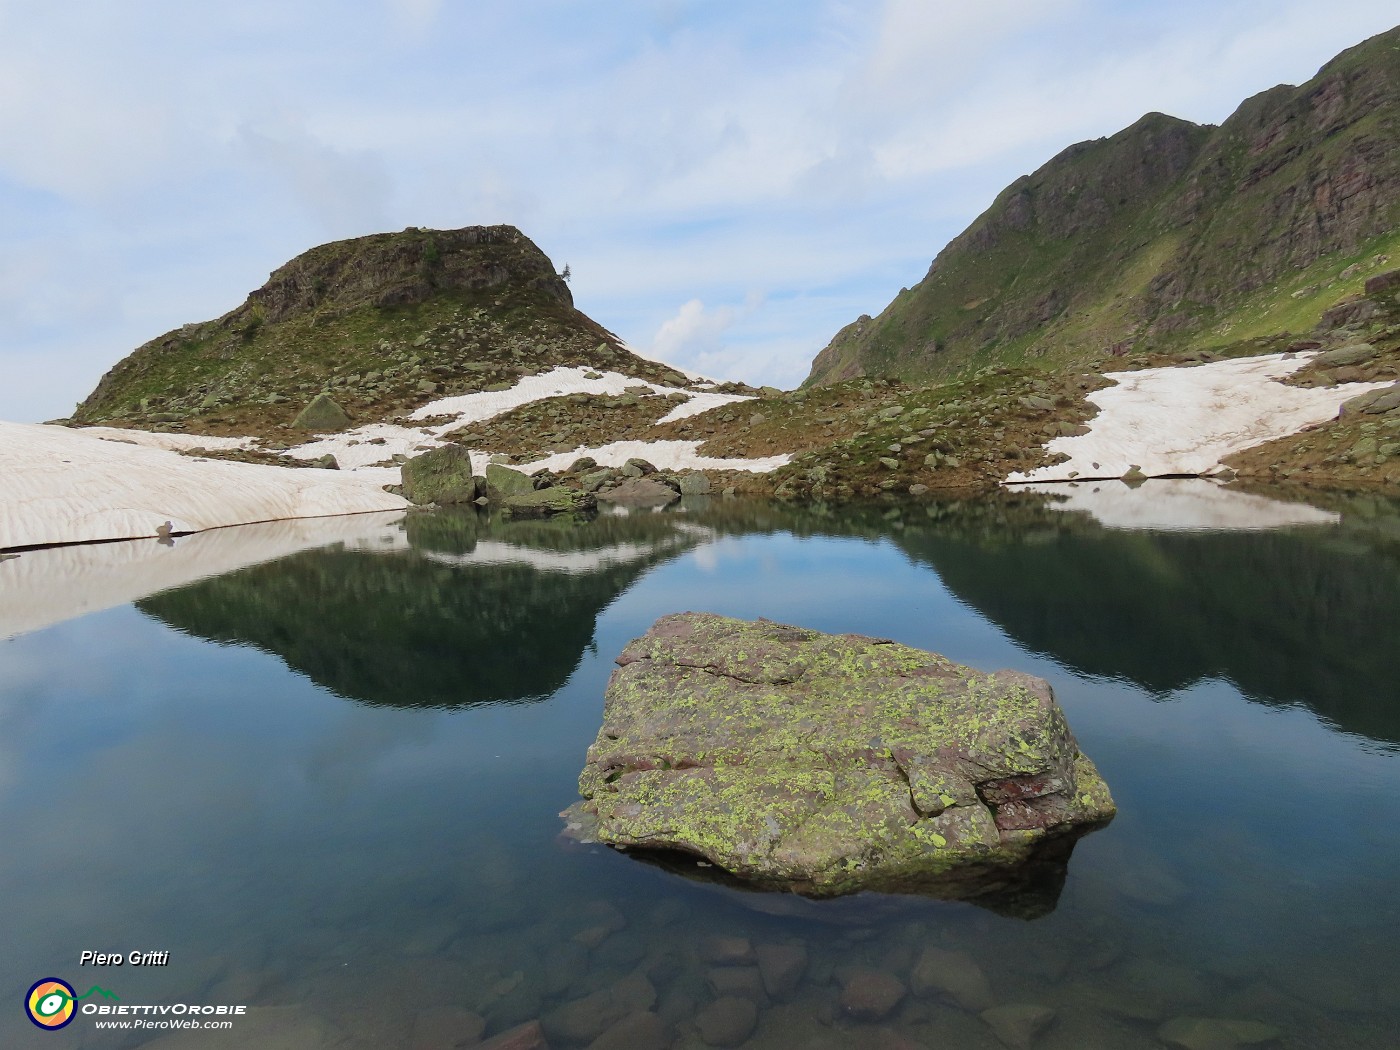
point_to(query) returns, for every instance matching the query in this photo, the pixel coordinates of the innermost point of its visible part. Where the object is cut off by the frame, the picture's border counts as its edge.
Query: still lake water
(328, 784)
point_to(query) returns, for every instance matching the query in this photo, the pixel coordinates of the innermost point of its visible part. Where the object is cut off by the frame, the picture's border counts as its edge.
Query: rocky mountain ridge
(382, 324)
(1166, 234)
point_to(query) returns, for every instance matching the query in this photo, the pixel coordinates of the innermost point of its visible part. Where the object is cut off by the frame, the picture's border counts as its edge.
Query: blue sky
(730, 183)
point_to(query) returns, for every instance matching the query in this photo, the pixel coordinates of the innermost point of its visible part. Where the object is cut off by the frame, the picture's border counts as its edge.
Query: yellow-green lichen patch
(829, 762)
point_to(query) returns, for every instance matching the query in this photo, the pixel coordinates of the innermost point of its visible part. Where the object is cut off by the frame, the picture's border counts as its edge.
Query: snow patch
(664, 455)
(66, 486)
(1185, 420)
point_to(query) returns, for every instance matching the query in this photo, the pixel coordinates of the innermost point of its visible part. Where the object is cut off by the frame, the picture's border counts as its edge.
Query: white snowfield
(352, 450)
(63, 486)
(663, 455)
(60, 485)
(1185, 420)
(1180, 505)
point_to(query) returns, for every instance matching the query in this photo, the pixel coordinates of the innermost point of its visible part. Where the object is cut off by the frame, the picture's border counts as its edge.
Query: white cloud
(416, 15)
(692, 333)
(154, 166)
(346, 192)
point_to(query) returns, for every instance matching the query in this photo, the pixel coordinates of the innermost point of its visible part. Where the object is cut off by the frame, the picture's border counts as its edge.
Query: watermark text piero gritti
(138, 958)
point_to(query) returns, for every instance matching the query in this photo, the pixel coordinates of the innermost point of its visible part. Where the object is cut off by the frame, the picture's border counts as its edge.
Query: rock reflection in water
(1029, 890)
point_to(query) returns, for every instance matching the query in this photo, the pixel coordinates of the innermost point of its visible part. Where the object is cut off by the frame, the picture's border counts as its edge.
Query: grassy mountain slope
(1165, 234)
(383, 323)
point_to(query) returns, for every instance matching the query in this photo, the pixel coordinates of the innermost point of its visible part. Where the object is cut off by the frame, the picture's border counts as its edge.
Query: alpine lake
(328, 780)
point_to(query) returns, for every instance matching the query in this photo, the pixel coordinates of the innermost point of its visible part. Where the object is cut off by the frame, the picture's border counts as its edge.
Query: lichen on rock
(826, 763)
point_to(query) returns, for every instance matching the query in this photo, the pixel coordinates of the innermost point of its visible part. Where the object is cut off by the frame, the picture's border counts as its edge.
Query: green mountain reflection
(465, 612)
(1301, 616)
(468, 611)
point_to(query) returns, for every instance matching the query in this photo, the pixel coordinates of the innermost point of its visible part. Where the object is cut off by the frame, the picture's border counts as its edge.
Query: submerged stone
(827, 764)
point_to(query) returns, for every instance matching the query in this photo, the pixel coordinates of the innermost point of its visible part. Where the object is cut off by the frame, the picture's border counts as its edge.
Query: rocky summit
(378, 325)
(827, 764)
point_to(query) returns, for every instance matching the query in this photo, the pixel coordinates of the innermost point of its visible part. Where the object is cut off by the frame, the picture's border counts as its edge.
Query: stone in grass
(1018, 1025)
(826, 764)
(322, 415)
(727, 1021)
(440, 475)
(546, 503)
(1215, 1033)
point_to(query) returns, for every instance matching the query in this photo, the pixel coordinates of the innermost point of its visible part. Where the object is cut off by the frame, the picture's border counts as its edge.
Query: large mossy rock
(322, 415)
(826, 763)
(440, 475)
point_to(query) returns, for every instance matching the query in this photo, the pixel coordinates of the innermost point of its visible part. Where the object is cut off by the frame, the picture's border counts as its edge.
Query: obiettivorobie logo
(52, 1003)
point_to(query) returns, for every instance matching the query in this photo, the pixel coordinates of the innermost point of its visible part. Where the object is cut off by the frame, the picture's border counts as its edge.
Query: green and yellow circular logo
(50, 1003)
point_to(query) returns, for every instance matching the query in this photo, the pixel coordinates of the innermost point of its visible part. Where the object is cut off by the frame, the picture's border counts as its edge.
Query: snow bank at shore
(67, 486)
(59, 485)
(1186, 419)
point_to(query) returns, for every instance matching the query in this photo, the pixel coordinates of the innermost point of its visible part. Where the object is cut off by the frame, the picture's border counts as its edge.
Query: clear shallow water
(329, 785)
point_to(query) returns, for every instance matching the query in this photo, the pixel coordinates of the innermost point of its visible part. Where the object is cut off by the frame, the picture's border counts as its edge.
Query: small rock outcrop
(1374, 403)
(827, 764)
(322, 415)
(502, 481)
(545, 503)
(440, 475)
(641, 492)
